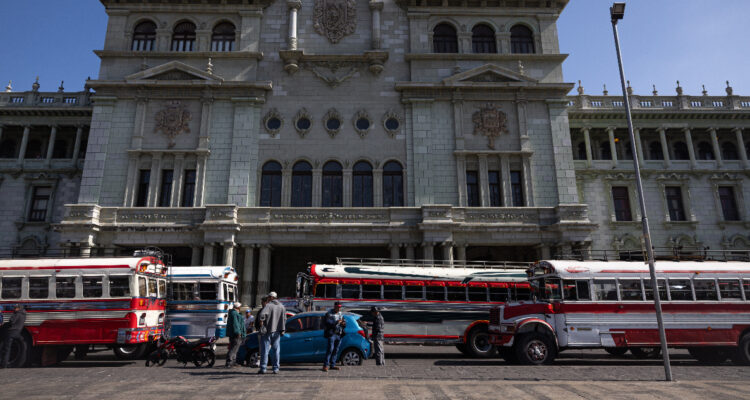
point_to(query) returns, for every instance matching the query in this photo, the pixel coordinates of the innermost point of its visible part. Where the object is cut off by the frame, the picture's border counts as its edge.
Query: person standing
(334, 331)
(249, 321)
(11, 330)
(377, 336)
(235, 333)
(272, 326)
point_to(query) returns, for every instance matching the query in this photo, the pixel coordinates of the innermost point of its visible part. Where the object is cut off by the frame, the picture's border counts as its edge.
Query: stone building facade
(269, 134)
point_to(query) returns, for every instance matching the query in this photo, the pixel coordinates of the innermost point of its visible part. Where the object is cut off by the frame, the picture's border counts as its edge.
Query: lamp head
(617, 11)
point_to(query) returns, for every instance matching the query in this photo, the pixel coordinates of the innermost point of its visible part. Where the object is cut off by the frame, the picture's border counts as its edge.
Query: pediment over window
(487, 74)
(174, 71)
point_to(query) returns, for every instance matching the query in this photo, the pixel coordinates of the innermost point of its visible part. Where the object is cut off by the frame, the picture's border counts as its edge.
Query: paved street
(413, 372)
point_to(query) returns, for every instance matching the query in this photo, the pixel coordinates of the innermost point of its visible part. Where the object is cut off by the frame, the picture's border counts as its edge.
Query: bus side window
(436, 293)
(680, 290)
(605, 289)
(183, 291)
(477, 293)
(393, 292)
(92, 286)
(705, 289)
(630, 290)
(119, 286)
(325, 290)
(661, 284)
(207, 291)
(11, 288)
(414, 292)
(582, 287)
(152, 288)
(65, 287)
(232, 292)
(456, 293)
(570, 290)
(349, 291)
(730, 289)
(38, 287)
(162, 288)
(142, 287)
(226, 292)
(371, 292)
(746, 287)
(498, 294)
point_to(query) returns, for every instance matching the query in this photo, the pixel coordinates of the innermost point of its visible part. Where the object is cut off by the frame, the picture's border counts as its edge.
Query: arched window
(34, 149)
(183, 37)
(681, 151)
(582, 151)
(393, 185)
(270, 185)
(222, 38)
(483, 39)
(655, 152)
(8, 149)
(729, 151)
(362, 185)
(705, 152)
(521, 40)
(144, 36)
(302, 184)
(444, 39)
(333, 188)
(605, 151)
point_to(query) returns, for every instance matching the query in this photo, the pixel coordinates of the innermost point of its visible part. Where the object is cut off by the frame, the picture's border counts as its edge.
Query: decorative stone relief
(328, 71)
(490, 122)
(335, 19)
(173, 120)
(273, 121)
(332, 122)
(362, 123)
(302, 122)
(392, 122)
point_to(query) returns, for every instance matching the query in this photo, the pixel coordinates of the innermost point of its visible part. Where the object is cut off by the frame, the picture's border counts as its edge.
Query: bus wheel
(478, 344)
(535, 349)
(130, 351)
(616, 351)
(645, 352)
(741, 355)
(708, 355)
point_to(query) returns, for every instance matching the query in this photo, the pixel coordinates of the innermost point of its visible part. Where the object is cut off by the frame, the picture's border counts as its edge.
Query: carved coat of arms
(173, 120)
(490, 122)
(335, 19)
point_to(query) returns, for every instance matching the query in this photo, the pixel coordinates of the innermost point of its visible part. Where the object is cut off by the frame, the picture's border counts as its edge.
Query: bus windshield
(546, 289)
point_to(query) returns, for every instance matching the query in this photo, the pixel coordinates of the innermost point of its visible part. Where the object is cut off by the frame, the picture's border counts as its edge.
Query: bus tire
(130, 352)
(741, 355)
(478, 343)
(708, 355)
(535, 349)
(645, 352)
(616, 351)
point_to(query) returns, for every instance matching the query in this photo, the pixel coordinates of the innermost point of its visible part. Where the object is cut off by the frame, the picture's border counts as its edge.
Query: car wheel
(709, 355)
(253, 358)
(479, 344)
(616, 351)
(741, 354)
(130, 352)
(645, 352)
(351, 357)
(535, 349)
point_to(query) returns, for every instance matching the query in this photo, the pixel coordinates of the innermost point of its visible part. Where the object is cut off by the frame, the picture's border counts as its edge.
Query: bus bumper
(137, 335)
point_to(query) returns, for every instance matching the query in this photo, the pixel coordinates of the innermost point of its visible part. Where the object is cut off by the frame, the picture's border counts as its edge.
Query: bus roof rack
(388, 262)
(676, 253)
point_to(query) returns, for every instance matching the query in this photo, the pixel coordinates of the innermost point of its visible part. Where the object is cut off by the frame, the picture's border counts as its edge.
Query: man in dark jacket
(235, 333)
(11, 331)
(377, 336)
(334, 331)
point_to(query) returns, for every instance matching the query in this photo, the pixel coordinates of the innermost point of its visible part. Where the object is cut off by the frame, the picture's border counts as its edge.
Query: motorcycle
(200, 352)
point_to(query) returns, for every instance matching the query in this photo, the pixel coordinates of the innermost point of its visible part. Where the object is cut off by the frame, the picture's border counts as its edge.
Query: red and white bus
(597, 304)
(421, 301)
(70, 302)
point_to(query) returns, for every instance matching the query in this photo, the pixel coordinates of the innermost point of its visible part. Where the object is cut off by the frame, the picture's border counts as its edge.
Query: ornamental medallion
(173, 120)
(490, 121)
(335, 19)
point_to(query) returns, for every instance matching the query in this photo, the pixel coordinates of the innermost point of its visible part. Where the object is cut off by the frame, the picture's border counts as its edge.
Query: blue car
(304, 342)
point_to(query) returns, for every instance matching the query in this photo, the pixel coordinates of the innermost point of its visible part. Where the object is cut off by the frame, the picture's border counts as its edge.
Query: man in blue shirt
(334, 331)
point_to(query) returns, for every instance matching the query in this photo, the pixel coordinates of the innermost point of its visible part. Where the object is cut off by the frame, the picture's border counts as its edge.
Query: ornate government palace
(268, 134)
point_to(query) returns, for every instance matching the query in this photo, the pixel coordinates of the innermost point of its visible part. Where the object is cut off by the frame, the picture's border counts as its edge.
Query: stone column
(691, 149)
(286, 186)
(24, 143)
(410, 252)
(208, 254)
(376, 7)
(131, 185)
(428, 252)
(461, 252)
(77, 145)
(155, 181)
(715, 145)
(229, 253)
(638, 145)
(612, 145)
(207, 102)
(200, 177)
(317, 189)
(248, 273)
(461, 175)
(163, 40)
(264, 272)
(528, 192)
(51, 144)
(741, 145)
(664, 147)
(395, 253)
(484, 183)
(447, 248)
(195, 256)
(178, 176)
(346, 187)
(293, 6)
(587, 143)
(377, 187)
(136, 141)
(505, 172)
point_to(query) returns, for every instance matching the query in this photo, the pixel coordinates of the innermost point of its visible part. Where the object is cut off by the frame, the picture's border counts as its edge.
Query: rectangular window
(516, 188)
(326, 291)
(65, 287)
(163, 289)
(498, 294)
(472, 189)
(165, 195)
(435, 293)
(728, 203)
(92, 286)
(144, 178)
(746, 288)
(188, 188)
(456, 293)
(349, 291)
(630, 290)
(521, 293)
(208, 291)
(605, 290)
(38, 288)
(576, 290)
(152, 288)
(371, 291)
(11, 288)
(119, 286)
(705, 289)
(393, 292)
(414, 292)
(730, 289)
(496, 193)
(551, 289)
(661, 284)
(477, 293)
(39, 203)
(621, 201)
(226, 293)
(674, 203)
(142, 287)
(184, 291)
(680, 290)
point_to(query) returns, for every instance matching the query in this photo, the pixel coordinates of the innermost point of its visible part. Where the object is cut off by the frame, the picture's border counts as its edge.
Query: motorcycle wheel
(163, 356)
(153, 359)
(204, 358)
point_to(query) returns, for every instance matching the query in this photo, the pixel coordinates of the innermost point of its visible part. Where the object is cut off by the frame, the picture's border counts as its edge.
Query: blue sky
(695, 41)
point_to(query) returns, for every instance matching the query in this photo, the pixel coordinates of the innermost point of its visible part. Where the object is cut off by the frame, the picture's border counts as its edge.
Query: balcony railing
(586, 102)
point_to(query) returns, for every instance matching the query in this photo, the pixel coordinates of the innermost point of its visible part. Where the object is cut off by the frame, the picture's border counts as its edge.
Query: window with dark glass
(472, 188)
(270, 185)
(495, 191)
(119, 286)
(349, 291)
(333, 193)
(222, 38)
(60, 149)
(325, 291)
(681, 151)
(38, 287)
(183, 37)
(11, 288)
(92, 286)
(435, 293)
(483, 39)
(39, 203)
(65, 287)
(498, 294)
(456, 293)
(165, 195)
(705, 152)
(144, 178)
(371, 291)
(729, 151)
(8, 149)
(675, 204)
(477, 293)
(413, 292)
(728, 203)
(393, 185)
(655, 151)
(208, 291)
(605, 289)
(730, 289)
(630, 290)
(705, 289)
(144, 36)
(362, 185)
(188, 188)
(680, 290)
(605, 151)
(516, 188)
(581, 151)
(521, 40)
(33, 149)
(393, 292)
(621, 201)
(444, 39)
(661, 287)
(302, 185)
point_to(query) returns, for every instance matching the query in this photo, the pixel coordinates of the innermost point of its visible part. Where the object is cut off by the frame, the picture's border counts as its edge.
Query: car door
(298, 342)
(318, 342)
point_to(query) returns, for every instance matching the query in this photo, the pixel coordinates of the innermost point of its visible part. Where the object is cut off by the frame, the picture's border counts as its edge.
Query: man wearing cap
(272, 326)
(235, 333)
(377, 336)
(334, 331)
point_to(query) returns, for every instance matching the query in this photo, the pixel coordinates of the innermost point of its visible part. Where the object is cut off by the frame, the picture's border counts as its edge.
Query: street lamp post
(617, 12)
